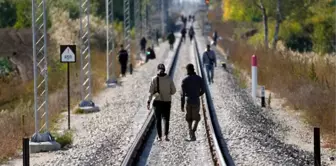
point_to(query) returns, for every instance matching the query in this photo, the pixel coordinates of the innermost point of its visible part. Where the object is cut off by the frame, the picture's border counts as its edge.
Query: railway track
(136, 148)
(212, 130)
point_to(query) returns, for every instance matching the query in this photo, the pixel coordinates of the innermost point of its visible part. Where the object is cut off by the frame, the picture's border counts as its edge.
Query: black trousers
(162, 112)
(123, 66)
(183, 37)
(171, 46)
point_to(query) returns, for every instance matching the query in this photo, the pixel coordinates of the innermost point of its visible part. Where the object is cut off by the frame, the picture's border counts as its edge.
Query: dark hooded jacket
(192, 88)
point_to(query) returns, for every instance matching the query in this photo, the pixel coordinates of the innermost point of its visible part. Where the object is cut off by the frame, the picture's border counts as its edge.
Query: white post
(254, 76)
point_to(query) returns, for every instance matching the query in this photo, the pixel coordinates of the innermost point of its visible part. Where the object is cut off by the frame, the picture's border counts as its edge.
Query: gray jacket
(192, 88)
(166, 87)
(209, 58)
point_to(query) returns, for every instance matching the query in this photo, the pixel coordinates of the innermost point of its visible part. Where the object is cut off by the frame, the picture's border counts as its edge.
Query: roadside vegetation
(16, 98)
(299, 66)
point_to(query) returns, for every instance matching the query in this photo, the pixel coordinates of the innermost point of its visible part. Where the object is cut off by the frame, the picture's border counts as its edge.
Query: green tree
(7, 13)
(23, 13)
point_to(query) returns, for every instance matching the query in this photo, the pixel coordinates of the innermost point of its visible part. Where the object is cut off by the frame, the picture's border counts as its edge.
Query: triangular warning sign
(68, 54)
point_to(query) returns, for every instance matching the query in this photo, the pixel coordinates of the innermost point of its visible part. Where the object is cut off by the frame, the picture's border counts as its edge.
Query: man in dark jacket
(183, 33)
(143, 43)
(157, 36)
(191, 33)
(123, 58)
(192, 88)
(171, 40)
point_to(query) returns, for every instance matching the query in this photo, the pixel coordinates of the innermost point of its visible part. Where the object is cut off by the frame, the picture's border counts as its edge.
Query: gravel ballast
(104, 137)
(252, 137)
(179, 150)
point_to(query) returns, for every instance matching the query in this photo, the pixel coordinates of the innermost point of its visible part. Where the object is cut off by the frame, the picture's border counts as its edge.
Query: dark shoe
(193, 136)
(166, 138)
(190, 134)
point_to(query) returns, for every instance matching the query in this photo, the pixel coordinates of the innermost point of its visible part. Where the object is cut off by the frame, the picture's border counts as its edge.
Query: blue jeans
(210, 72)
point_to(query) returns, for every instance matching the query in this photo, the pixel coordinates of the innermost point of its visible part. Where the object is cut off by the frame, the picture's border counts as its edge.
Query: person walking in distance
(161, 89)
(209, 61)
(192, 88)
(143, 43)
(183, 33)
(123, 58)
(215, 38)
(157, 36)
(171, 40)
(191, 33)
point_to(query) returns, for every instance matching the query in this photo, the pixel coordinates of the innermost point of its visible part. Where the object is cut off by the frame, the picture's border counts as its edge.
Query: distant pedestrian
(215, 38)
(191, 33)
(171, 40)
(192, 88)
(157, 36)
(209, 61)
(143, 43)
(183, 33)
(161, 89)
(123, 58)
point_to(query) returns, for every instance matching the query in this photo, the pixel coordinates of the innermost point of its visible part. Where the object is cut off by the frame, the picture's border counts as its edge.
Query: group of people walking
(184, 32)
(162, 87)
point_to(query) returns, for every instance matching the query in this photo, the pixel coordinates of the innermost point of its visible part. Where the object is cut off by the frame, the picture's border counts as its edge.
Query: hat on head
(161, 67)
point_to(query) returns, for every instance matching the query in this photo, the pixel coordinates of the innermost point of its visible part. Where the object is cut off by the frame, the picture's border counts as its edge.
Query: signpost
(68, 55)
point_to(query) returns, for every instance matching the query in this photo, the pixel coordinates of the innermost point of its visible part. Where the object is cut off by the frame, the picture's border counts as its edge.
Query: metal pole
(68, 75)
(35, 69)
(162, 18)
(317, 147)
(85, 54)
(39, 29)
(107, 41)
(113, 76)
(80, 50)
(138, 29)
(25, 151)
(111, 79)
(46, 65)
(127, 32)
(89, 48)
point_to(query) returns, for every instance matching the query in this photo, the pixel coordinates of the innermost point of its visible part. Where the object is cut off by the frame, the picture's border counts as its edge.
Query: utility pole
(110, 60)
(138, 29)
(40, 59)
(127, 27)
(85, 55)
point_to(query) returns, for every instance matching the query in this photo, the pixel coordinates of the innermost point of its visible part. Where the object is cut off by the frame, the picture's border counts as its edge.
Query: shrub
(64, 139)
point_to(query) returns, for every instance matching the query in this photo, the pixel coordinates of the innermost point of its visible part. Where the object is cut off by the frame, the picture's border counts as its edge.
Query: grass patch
(64, 139)
(241, 79)
(306, 80)
(79, 111)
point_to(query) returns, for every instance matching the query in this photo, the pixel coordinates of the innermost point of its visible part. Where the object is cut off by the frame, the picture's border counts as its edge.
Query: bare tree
(261, 6)
(277, 24)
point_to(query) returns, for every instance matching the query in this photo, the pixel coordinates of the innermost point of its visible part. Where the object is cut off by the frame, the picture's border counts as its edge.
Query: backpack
(155, 102)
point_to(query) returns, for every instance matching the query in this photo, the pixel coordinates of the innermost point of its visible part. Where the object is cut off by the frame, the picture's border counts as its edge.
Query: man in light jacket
(161, 89)
(209, 61)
